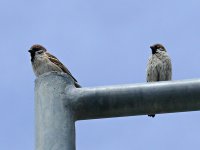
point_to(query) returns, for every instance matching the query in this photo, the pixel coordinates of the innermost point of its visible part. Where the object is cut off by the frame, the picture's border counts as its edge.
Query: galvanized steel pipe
(58, 104)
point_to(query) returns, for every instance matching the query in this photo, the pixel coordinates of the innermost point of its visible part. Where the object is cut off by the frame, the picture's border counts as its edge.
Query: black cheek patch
(154, 51)
(32, 56)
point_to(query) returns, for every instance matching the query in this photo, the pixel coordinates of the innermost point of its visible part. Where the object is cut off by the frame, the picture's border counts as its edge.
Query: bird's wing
(55, 60)
(152, 70)
(167, 68)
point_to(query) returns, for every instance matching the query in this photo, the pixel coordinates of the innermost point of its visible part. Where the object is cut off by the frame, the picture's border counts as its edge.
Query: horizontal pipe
(127, 100)
(136, 99)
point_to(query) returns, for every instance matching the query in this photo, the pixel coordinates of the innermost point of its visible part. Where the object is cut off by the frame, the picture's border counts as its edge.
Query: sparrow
(43, 62)
(159, 67)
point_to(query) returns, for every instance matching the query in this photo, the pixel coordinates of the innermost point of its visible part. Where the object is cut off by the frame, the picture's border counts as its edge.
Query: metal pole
(55, 125)
(138, 99)
(58, 104)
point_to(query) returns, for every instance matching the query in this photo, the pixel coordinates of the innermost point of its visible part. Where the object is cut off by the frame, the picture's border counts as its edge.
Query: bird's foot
(152, 115)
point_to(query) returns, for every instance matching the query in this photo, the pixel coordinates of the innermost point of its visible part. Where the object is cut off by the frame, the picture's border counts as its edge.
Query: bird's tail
(77, 85)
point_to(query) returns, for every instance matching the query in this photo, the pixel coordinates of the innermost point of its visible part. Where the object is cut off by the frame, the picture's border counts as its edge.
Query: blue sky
(102, 42)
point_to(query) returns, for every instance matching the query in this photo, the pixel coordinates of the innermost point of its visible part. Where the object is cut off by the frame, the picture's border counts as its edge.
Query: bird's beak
(30, 51)
(153, 49)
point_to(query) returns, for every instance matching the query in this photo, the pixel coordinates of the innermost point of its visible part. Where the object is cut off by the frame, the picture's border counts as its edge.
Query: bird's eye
(159, 48)
(40, 52)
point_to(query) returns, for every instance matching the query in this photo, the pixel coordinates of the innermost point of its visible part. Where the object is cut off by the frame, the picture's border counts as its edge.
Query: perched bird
(43, 62)
(159, 67)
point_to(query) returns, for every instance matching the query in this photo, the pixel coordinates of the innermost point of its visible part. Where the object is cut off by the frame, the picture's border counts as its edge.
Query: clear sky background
(102, 42)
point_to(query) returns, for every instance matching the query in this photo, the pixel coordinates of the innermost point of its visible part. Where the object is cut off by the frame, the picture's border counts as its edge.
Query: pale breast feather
(154, 68)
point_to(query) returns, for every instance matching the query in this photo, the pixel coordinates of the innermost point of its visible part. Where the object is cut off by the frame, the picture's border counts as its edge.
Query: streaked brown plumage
(43, 62)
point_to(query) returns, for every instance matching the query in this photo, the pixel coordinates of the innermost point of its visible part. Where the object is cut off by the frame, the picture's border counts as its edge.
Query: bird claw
(152, 115)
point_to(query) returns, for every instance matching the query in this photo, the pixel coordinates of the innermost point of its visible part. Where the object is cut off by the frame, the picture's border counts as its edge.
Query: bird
(159, 66)
(42, 62)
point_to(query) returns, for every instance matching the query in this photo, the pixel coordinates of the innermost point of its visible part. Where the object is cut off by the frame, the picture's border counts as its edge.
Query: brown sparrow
(43, 62)
(159, 67)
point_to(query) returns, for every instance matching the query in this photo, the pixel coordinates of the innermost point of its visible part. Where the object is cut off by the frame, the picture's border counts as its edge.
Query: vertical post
(55, 125)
